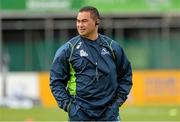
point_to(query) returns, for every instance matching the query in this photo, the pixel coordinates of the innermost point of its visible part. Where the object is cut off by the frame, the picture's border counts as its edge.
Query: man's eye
(84, 20)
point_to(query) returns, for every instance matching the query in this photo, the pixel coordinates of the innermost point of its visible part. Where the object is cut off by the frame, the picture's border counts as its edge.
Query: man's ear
(97, 22)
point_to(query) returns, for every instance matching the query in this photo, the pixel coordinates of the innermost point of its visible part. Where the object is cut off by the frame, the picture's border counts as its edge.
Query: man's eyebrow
(82, 19)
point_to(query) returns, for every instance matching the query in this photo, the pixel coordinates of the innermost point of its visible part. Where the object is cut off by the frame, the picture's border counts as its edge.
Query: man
(90, 75)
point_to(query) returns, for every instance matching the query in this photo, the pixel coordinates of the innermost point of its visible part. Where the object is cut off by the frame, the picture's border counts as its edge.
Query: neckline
(91, 41)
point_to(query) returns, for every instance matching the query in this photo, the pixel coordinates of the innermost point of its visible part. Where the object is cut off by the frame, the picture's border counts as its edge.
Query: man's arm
(124, 74)
(59, 76)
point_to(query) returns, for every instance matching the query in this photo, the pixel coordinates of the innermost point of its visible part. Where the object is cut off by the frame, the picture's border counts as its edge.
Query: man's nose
(81, 24)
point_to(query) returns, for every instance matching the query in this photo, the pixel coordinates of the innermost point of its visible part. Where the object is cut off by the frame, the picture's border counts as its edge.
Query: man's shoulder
(106, 38)
(74, 40)
(69, 43)
(109, 40)
(112, 43)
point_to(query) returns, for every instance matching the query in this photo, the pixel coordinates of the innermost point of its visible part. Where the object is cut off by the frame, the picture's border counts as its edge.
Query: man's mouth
(82, 29)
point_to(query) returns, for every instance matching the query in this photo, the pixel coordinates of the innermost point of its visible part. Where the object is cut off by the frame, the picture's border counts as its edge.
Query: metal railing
(45, 31)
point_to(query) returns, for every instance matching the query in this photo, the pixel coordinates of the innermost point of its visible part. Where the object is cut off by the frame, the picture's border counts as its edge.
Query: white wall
(21, 84)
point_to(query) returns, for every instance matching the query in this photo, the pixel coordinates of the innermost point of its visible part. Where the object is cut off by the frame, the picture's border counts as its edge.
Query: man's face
(85, 24)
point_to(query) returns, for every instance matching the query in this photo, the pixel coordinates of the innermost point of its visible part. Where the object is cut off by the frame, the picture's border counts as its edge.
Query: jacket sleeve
(59, 76)
(124, 74)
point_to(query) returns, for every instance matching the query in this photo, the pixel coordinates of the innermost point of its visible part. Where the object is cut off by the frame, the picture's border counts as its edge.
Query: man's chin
(82, 34)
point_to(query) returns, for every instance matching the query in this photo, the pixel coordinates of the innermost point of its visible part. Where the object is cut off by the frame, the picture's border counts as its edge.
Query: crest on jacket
(104, 51)
(83, 53)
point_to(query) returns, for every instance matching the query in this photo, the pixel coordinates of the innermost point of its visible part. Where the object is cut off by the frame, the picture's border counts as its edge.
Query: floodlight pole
(1, 57)
(2, 67)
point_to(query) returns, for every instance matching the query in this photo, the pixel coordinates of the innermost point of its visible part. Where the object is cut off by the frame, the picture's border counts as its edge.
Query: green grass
(36, 114)
(151, 113)
(148, 113)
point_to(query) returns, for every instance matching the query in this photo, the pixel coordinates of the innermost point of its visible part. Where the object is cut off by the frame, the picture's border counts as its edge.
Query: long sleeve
(59, 76)
(124, 74)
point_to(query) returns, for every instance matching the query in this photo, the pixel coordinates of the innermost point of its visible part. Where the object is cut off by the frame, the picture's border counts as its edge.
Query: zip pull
(97, 74)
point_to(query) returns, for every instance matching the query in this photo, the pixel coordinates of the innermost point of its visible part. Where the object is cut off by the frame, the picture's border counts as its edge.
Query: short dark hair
(93, 11)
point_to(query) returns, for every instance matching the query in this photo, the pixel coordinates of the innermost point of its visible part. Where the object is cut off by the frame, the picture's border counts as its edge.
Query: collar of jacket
(104, 40)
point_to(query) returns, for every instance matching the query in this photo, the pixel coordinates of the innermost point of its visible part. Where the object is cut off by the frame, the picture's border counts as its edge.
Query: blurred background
(32, 30)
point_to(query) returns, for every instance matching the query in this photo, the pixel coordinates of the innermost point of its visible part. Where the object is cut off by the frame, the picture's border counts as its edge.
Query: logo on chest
(104, 51)
(79, 45)
(83, 53)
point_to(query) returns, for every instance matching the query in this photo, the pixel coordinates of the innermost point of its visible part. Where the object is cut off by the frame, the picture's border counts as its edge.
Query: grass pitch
(146, 113)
